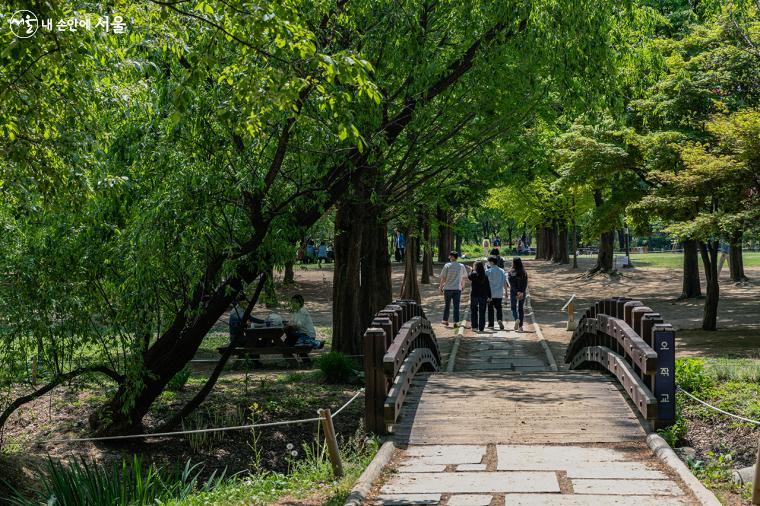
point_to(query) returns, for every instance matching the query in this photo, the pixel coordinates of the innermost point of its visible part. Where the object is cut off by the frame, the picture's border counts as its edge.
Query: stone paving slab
(399, 499)
(469, 500)
(416, 466)
(471, 467)
(417, 483)
(448, 454)
(589, 500)
(626, 487)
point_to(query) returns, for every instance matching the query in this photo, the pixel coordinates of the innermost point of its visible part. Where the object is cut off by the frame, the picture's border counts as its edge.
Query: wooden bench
(260, 341)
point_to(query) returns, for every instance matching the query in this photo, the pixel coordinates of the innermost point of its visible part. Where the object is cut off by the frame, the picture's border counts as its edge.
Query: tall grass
(726, 369)
(127, 483)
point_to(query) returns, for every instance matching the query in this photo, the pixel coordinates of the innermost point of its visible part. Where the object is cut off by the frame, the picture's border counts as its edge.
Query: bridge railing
(398, 343)
(631, 341)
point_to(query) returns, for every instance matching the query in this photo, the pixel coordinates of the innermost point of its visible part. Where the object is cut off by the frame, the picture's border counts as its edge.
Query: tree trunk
(347, 324)
(621, 239)
(736, 260)
(509, 241)
(604, 259)
(575, 240)
(427, 254)
(458, 245)
(410, 289)
(564, 256)
(375, 290)
(709, 253)
(556, 248)
(445, 240)
(289, 276)
(691, 288)
(124, 412)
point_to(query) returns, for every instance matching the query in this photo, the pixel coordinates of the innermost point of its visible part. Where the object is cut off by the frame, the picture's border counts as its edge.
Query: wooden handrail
(629, 340)
(399, 342)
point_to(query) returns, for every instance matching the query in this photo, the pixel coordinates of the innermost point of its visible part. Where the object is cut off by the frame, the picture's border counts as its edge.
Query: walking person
(518, 285)
(486, 246)
(399, 241)
(451, 285)
(497, 279)
(499, 260)
(322, 253)
(480, 295)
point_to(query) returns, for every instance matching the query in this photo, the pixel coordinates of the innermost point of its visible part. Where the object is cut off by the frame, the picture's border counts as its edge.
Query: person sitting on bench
(237, 325)
(300, 329)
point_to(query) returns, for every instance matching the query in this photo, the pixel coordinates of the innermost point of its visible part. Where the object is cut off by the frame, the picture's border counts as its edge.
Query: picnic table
(262, 340)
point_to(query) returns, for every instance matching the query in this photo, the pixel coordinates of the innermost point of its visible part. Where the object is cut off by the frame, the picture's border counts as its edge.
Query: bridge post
(663, 338)
(376, 386)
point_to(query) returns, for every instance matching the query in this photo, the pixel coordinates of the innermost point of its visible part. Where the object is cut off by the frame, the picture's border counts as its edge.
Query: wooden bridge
(504, 428)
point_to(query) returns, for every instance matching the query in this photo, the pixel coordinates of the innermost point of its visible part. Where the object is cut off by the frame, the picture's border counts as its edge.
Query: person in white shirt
(451, 285)
(300, 327)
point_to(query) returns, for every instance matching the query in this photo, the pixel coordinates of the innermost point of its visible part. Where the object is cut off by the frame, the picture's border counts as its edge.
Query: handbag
(520, 295)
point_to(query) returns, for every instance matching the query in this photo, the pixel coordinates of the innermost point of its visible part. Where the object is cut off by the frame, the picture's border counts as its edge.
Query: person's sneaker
(501, 325)
(321, 345)
(521, 329)
(517, 324)
(445, 323)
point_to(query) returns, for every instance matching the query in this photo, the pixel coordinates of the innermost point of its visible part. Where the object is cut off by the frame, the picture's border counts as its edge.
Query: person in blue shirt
(400, 244)
(497, 278)
(322, 252)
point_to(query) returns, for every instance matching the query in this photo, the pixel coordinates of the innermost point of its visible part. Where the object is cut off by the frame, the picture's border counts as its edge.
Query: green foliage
(691, 375)
(177, 383)
(675, 432)
(336, 367)
(80, 482)
(310, 473)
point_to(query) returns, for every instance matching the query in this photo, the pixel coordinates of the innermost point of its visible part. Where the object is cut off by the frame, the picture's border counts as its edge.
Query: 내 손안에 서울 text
(25, 24)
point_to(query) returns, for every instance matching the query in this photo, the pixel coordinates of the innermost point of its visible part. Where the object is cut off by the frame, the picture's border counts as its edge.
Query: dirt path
(738, 331)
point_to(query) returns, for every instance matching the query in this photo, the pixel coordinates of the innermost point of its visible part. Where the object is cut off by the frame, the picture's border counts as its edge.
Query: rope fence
(261, 359)
(200, 431)
(733, 415)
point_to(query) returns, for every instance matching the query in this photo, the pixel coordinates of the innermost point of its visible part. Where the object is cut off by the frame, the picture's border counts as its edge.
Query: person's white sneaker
(517, 324)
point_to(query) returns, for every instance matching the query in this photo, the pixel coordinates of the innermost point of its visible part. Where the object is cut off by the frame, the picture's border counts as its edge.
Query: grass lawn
(675, 260)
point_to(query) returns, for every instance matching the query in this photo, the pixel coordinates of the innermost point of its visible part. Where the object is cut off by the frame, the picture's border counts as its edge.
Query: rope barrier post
(570, 307)
(756, 483)
(332, 442)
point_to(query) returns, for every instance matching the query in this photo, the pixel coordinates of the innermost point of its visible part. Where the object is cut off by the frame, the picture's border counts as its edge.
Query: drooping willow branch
(61, 378)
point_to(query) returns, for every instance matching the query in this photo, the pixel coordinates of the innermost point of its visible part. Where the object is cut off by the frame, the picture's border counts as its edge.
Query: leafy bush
(675, 432)
(691, 374)
(179, 380)
(336, 367)
(79, 482)
(727, 369)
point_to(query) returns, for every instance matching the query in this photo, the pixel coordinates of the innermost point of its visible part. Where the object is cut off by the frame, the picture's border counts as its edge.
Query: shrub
(179, 380)
(691, 375)
(79, 482)
(336, 367)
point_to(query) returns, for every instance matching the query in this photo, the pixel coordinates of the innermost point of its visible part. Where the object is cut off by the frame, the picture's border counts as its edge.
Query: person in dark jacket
(517, 278)
(480, 294)
(499, 260)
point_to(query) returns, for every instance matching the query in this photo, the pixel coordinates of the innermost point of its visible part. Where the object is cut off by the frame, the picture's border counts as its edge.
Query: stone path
(503, 429)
